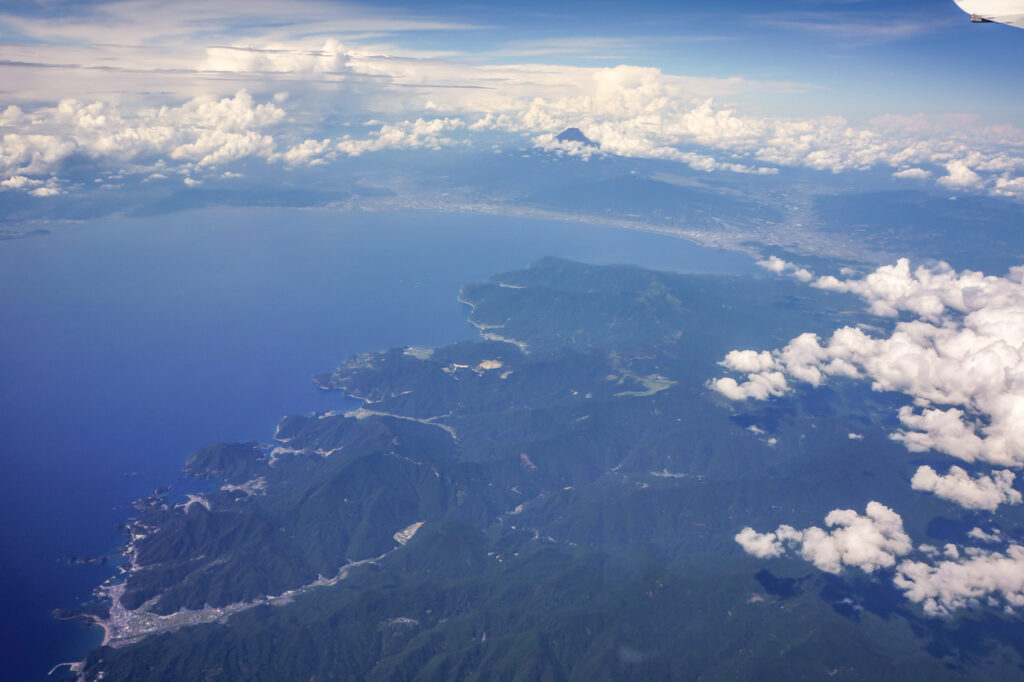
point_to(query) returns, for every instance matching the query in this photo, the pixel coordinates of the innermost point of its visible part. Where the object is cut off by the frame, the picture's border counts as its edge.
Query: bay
(125, 344)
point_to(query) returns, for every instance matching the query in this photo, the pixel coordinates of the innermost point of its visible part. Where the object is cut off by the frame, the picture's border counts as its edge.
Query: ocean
(126, 344)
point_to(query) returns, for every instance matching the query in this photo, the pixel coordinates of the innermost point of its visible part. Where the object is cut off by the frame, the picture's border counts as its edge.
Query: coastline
(489, 335)
(109, 631)
(73, 666)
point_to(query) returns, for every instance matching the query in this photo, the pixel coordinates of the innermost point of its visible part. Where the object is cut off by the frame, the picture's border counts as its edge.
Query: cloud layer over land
(979, 492)
(994, 579)
(957, 352)
(874, 541)
(84, 85)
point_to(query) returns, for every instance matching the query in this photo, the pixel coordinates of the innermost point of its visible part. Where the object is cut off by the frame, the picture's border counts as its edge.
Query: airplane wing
(1009, 12)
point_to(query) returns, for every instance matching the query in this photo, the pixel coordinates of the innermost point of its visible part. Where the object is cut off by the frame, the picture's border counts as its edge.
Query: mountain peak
(575, 135)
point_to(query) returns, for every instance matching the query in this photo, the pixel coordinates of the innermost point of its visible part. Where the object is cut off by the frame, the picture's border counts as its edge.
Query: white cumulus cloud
(980, 492)
(994, 579)
(960, 176)
(20, 182)
(204, 131)
(913, 174)
(960, 357)
(868, 541)
(784, 267)
(980, 534)
(421, 133)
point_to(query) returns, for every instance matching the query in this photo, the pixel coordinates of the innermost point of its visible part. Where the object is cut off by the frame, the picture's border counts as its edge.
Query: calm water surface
(127, 344)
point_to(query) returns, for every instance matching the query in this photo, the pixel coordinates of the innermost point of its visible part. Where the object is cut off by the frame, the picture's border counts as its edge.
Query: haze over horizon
(137, 89)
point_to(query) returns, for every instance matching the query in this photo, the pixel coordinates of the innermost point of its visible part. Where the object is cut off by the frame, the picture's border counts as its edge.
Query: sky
(845, 56)
(142, 88)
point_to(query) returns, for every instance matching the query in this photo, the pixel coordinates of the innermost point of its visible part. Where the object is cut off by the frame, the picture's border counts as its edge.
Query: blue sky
(857, 58)
(860, 58)
(134, 85)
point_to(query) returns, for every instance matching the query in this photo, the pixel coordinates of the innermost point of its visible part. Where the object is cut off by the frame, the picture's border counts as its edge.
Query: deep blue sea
(125, 344)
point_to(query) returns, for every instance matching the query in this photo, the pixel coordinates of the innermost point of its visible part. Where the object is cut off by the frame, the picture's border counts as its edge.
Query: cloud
(216, 147)
(782, 267)
(549, 142)
(335, 60)
(630, 111)
(960, 176)
(760, 385)
(994, 579)
(20, 182)
(765, 545)
(566, 45)
(950, 580)
(421, 133)
(32, 154)
(913, 174)
(204, 130)
(642, 112)
(33, 186)
(854, 30)
(45, 191)
(201, 134)
(150, 22)
(980, 492)
(1009, 187)
(978, 534)
(959, 358)
(869, 542)
(775, 264)
(11, 116)
(957, 353)
(748, 361)
(331, 59)
(927, 291)
(306, 152)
